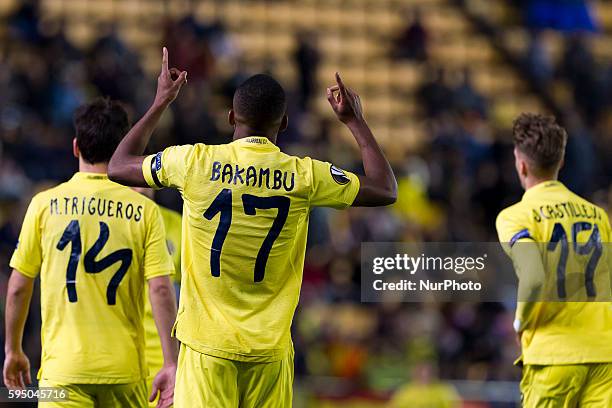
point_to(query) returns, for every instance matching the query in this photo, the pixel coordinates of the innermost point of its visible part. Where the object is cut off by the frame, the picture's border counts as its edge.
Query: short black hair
(260, 101)
(100, 125)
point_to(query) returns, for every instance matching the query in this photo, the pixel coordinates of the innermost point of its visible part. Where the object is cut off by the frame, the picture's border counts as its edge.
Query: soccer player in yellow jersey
(93, 243)
(245, 218)
(153, 348)
(557, 240)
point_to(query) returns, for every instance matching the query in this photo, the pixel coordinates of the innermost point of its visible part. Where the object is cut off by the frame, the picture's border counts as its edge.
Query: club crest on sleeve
(338, 175)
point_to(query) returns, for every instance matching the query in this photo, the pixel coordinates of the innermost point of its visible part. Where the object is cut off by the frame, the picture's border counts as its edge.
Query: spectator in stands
(307, 58)
(113, 67)
(579, 67)
(578, 173)
(435, 96)
(538, 60)
(23, 23)
(412, 43)
(563, 15)
(187, 38)
(466, 97)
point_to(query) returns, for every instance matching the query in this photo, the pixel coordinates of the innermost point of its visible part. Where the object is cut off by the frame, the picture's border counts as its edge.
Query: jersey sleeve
(27, 257)
(331, 186)
(157, 259)
(511, 228)
(167, 168)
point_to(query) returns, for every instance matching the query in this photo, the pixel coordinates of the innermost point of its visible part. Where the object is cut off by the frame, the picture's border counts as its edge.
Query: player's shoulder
(513, 220)
(600, 212)
(516, 211)
(43, 195)
(184, 153)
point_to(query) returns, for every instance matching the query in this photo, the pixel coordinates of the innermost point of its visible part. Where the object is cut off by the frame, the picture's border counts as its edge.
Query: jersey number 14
(72, 234)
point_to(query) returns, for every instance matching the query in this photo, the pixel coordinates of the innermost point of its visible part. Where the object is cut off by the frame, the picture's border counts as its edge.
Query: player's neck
(534, 181)
(241, 132)
(84, 167)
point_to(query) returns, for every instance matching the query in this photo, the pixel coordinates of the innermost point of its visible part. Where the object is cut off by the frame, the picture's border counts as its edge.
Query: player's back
(245, 220)
(88, 237)
(574, 322)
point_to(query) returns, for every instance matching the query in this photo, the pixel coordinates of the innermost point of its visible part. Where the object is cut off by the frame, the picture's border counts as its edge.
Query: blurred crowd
(451, 190)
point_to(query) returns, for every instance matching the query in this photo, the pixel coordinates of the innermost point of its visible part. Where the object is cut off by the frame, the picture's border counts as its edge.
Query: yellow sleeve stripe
(149, 172)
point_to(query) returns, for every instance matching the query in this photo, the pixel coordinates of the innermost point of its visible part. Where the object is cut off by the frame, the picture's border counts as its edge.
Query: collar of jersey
(83, 175)
(542, 186)
(259, 142)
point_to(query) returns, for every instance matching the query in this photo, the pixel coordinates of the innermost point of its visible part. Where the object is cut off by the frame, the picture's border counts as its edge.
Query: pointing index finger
(165, 60)
(340, 84)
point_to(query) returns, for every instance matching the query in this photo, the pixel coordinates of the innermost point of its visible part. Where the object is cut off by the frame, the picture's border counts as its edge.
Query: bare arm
(16, 371)
(378, 187)
(125, 166)
(163, 303)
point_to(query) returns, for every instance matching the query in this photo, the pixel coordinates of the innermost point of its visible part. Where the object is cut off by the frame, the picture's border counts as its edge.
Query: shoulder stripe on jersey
(520, 235)
(154, 168)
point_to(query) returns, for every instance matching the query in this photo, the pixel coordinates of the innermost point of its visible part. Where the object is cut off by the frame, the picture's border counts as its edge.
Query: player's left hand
(163, 384)
(169, 82)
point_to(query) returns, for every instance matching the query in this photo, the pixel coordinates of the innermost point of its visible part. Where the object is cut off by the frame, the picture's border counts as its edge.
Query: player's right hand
(163, 384)
(346, 103)
(16, 371)
(168, 87)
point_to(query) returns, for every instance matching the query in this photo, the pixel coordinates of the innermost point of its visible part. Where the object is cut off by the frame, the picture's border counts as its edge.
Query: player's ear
(231, 118)
(75, 148)
(284, 123)
(523, 168)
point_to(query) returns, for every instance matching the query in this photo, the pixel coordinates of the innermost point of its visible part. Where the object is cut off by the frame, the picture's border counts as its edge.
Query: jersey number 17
(593, 247)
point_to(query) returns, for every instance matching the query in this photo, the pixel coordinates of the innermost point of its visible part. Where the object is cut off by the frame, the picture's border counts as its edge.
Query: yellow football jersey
(245, 219)
(93, 242)
(173, 225)
(153, 350)
(571, 234)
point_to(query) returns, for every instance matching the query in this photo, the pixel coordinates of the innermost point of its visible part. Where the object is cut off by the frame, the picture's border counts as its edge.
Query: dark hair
(100, 125)
(260, 101)
(541, 139)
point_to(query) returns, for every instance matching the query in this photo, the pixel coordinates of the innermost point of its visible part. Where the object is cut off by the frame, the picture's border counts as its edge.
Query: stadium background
(441, 81)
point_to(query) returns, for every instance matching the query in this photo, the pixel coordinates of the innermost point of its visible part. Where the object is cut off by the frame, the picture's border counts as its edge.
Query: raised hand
(16, 371)
(169, 82)
(345, 102)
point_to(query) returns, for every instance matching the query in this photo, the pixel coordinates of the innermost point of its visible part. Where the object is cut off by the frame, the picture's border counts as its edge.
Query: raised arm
(378, 187)
(125, 166)
(16, 370)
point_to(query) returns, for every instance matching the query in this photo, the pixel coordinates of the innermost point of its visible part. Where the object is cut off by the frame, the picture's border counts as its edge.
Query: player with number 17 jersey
(94, 243)
(250, 216)
(564, 332)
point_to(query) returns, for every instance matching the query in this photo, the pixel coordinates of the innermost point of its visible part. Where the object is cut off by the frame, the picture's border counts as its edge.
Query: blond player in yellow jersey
(558, 242)
(94, 244)
(245, 218)
(153, 348)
